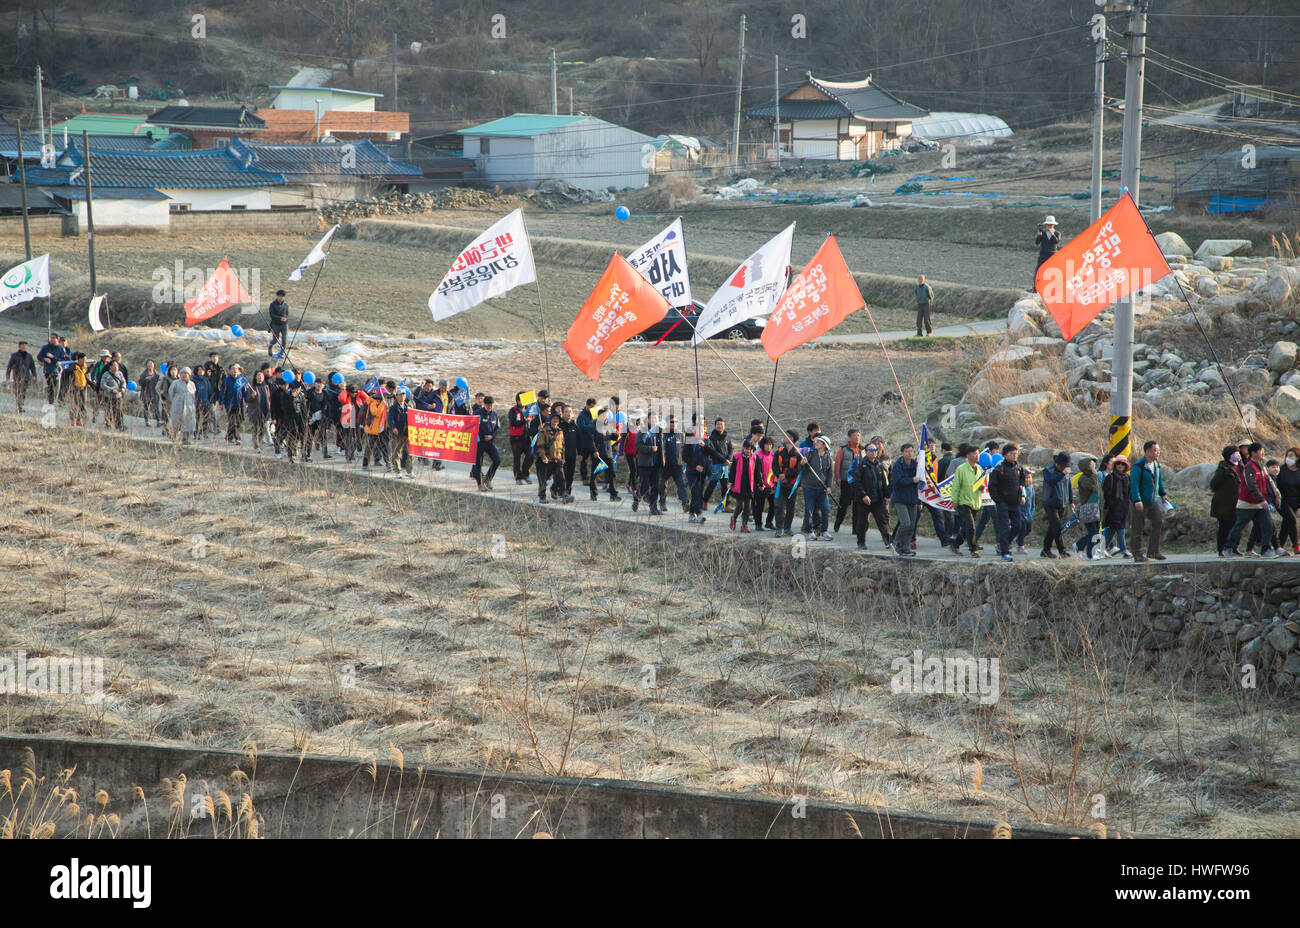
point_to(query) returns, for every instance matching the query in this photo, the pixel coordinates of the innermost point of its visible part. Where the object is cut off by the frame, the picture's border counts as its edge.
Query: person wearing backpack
(80, 381)
(845, 456)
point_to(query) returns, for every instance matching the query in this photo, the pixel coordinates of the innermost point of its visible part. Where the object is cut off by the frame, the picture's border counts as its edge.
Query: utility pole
(1099, 102)
(22, 182)
(40, 108)
(394, 103)
(1121, 393)
(90, 212)
(740, 83)
(570, 101)
(555, 100)
(776, 103)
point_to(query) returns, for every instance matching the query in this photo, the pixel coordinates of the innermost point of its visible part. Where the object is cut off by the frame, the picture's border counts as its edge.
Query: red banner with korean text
(442, 436)
(1113, 257)
(816, 301)
(222, 291)
(622, 305)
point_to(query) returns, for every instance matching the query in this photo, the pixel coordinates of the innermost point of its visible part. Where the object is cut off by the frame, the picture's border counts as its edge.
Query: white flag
(498, 260)
(27, 281)
(95, 305)
(753, 290)
(317, 255)
(662, 262)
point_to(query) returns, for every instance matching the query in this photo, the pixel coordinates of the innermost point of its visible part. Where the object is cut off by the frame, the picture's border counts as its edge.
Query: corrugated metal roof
(11, 197)
(522, 125)
(109, 124)
(320, 160)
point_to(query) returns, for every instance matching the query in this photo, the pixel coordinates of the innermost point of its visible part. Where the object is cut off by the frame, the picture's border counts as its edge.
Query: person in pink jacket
(766, 480)
(745, 483)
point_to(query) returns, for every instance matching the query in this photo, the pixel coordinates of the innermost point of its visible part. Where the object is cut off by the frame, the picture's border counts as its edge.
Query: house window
(485, 146)
(238, 206)
(220, 142)
(178, 207)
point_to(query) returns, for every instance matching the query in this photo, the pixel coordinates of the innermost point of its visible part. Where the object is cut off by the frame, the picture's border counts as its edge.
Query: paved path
(983, 327)
(455, 478)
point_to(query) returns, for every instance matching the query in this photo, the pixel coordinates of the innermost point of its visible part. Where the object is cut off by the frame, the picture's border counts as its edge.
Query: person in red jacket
(518, 422)
(1252, 504)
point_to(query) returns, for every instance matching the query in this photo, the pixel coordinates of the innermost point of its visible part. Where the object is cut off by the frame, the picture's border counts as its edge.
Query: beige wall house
(839, 121)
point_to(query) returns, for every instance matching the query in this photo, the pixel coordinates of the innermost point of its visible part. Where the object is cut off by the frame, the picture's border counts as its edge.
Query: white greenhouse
(971, 128)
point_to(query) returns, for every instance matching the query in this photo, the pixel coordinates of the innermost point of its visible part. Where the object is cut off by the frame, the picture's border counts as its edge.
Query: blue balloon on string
(336, 379)
(162, 368)
(130, 385)
(622, 214)
(361, 365)
(462, 383)
(308, 378)
(287, 377)
(237, 331)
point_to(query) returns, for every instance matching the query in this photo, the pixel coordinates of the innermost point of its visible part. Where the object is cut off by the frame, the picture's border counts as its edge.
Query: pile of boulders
(552, 194)
(397, 204)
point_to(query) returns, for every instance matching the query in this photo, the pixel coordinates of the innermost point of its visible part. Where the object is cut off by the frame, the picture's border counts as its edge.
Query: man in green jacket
(966, 497)
(1148, 486)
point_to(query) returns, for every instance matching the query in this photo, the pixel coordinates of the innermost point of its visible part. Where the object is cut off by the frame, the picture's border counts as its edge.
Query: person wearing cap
(183, 417)
(518, 419)
(112, 388)
(488, 426)
(50, 355)
(258, 408)
(1047, 239)
(281, 410)
(871, 496)
(816, 483)
(234, 394)
(317, 429)
(399, 438)
(1006, 488)
(279, 313)
(966, 497)
(1058, 501)
(20, 371)
(548, 452)
(1115, 507)
(297, 423)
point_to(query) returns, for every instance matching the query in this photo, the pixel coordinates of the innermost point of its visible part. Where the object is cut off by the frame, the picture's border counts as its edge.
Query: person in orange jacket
(376, 430)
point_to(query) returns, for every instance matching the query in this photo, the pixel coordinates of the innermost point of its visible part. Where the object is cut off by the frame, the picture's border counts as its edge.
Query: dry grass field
(235, 601)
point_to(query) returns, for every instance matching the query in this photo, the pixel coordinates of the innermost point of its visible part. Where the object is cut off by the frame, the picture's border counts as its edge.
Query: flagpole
(771, 399)
(303, 314)
(699, 398)
(541, 313)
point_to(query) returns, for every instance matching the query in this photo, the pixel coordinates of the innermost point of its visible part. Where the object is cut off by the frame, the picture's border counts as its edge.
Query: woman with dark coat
(1115, 495)
(1223, 487)
(1288, 486)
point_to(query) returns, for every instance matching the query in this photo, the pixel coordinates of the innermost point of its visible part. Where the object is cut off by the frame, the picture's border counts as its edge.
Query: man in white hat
(1048, 240)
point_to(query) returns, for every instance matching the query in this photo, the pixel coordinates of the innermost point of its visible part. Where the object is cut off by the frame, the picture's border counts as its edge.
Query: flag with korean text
(623, 304)
(662, 261)
(816, 301)
(753, 289)
(498, 260)
(222, 291)
(1112, 258)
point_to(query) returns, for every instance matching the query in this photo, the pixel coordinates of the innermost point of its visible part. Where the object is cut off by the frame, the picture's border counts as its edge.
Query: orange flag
(222, 291)
(1113, 257)
(816, 301)
(622, 305)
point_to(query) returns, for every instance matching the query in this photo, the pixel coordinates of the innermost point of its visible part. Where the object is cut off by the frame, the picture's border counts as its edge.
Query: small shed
(525, 149)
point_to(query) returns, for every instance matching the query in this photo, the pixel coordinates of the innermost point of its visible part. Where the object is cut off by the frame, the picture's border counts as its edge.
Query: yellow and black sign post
(1121, 428)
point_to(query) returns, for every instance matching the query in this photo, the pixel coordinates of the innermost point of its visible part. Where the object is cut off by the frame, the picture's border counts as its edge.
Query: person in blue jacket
(488, 426)
(1058, 502)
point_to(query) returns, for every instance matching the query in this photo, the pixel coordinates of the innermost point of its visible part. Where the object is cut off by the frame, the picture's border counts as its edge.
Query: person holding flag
(966, 497)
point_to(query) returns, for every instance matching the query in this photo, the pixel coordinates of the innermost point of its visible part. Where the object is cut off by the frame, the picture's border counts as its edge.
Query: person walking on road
(1058, 502)
(1148, 487)
(21, 371)
(183, 418)
(904, 490)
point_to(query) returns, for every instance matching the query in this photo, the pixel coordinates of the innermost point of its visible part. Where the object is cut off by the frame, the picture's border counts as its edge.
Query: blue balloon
(130, 385)
(237, 331)
(308, 378)
(162, 368)
(622, 214)
(336, 379)
(287, 376)
(462, 383)
(361, 365)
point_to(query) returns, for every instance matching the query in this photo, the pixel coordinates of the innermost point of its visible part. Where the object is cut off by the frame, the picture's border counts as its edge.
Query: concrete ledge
(316, 797)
